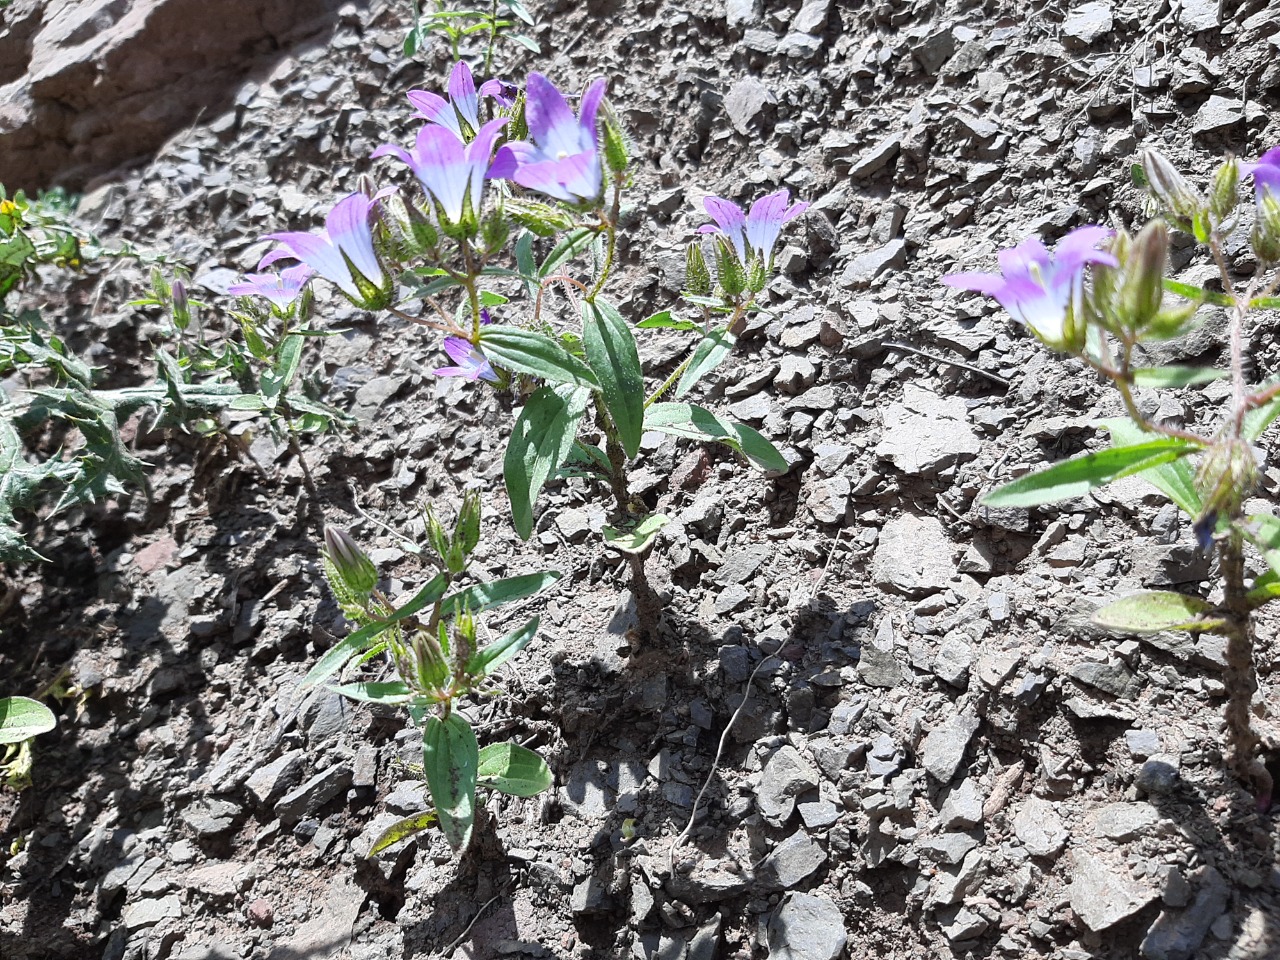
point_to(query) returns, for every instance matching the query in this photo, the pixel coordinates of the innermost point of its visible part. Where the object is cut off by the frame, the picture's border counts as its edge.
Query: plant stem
(611, 226)
(1240, 678)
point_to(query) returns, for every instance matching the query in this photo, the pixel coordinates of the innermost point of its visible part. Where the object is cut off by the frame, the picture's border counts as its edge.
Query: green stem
(610, 220)
(493, 38)
(1240, 677)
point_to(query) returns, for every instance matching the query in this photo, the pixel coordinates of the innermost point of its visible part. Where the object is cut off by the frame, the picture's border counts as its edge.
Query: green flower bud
(159, 285)
(494, 232)
(351, 564)
(1227, 476)
(729, 270)
(1143, 292)
(429, 669)
(616, 153)
(697, 278)
(181, 306)
(1223, 192)
(437, 537)
(1266, 228)
(464, 642)
(1170, 188)
(466, 532)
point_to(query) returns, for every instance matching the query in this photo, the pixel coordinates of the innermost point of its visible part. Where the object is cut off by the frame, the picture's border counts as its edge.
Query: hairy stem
(1240, 678)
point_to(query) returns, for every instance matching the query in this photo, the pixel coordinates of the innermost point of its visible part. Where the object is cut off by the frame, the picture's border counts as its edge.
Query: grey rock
(267, 784)
(1086, 23)
(942, 751)
(1197, 15)
(913, 555)
(786, 775)
(1112, 677)
(741, 13)
(963, 806)
(953, 660)
(310, 796)
(1102, 895)
(791, 861)
(1159, 775)
(828, 499)
(875, 158)
(372, 395)
(878, 665)
(966, 925)
(811, 17)
(926, 433)
(806, 927)
(818, 814)
(1124, 821)
(951, 884)
(934, 51)
(147, 913)
(745, 102)
(1217, 113)
(208, 818)
(847, 713)
(706, 941)
(1039, 828)
(590, 896)
(1177, 934)
(585, 793)
(949, 847)
(865, 267)
(709, 882)
(1142, 743)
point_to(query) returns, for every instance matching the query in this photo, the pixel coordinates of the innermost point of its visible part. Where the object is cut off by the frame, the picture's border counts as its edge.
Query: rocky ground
(932, 756)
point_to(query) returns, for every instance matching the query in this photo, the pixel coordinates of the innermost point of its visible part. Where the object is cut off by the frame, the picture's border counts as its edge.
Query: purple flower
(469, 362)
(1041, 290)
(561, 159)
(342, 252)
(452, 172)
(463, 105)
(756, 231)
(280, 288)
(1266, 174)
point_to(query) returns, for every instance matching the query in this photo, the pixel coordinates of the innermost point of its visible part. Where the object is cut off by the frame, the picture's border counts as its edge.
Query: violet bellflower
(463, 105)
(756, 232)
(562, 157)
(281, 289)
(341, 253)
(1042, 291)
(1266, 174)
(451, 172)
(468, 361)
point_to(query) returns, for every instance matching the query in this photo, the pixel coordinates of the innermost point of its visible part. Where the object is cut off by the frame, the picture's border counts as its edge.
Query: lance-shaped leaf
(451, 761)
(1192, 292)
(665, 320)
(710, 352)
(493, 655)
(390, 693)
(362, 639)
(615, 359)
(1154, 610)
(536, 354)
(1079, 475)
(22, 718)
(1175, 376)
(540, 441)
(1263, 531)
(513, 769)
(696, 423)
(1175, 479)
(402, 830)
(1258, 419)
(275, 381)
(1265, 589)
(638, 538)
(485, 596)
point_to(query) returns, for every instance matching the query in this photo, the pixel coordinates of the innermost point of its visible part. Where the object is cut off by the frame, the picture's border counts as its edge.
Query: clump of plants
(1101, 295)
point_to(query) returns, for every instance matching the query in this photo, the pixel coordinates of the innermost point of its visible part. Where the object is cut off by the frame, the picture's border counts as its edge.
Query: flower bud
(616, 154)
(697, 278)
(1226, 478)
(159, 285)
(466, 532)
(1223, 189)
(494, 232)
(181, 306)
(1143, 292)
(1266, 228)
(729, 270)
(1170, 187)
(351, 564)
(436, 536)
(429, 668)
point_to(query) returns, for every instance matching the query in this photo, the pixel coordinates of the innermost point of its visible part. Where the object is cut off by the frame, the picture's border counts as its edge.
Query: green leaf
(540, 441)
(1192, 292)
(1175, 376)
(710, 352)
(402, 830)
(513, 769)
(485, 596)
(1263, 531)
(1265, 588)
(451, 762)
(362, 639)
(1176, 479)
(697, 423)
(520, 10)
(665, 320)
(536, 354)
(528, 43)
(491, 656)
(635, 539)
(526, 264)
(1258, 419)
(22, 718)
(613, 355)
(1079, 475)
(391, 693)
(1264, 303)
(1151, 611)
(276, 381)
(573, 243)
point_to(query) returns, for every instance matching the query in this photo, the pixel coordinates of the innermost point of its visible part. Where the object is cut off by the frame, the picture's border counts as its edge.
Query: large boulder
(88, 85)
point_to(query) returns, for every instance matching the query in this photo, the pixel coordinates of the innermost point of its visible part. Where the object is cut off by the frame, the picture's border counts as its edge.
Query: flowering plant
(1103, 319)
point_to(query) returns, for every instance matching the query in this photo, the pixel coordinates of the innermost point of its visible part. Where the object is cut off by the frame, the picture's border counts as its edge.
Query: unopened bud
(159, 285)
(1170, 187)
(181, 306)
(729, 270)
(1143, 291)
(466, 532)
(436, 536)
(494, 232)
(616, 154)
(697, 278)
(365, 185)
(1223, 189)
(1227, 476)
(350, 563)
(1266, 228)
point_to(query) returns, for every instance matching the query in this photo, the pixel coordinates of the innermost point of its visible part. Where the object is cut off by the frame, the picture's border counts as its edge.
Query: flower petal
(462, 91)
(436, 109)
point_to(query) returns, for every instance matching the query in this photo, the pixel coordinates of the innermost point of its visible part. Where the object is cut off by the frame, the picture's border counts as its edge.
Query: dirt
(932, 753)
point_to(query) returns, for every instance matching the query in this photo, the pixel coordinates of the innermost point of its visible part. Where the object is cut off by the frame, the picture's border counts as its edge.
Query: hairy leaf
(1175, 479)
(697, 423)
(402, 830)
(711, 351)
(1151, 611)
(615, 359)
(451, 762)
(637, 538)
(22, 718)
(540, 441)
(491, 656)
(512, 769)
(536, 354)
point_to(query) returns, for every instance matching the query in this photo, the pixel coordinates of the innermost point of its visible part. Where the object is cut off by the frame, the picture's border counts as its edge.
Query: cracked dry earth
(936, 756)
